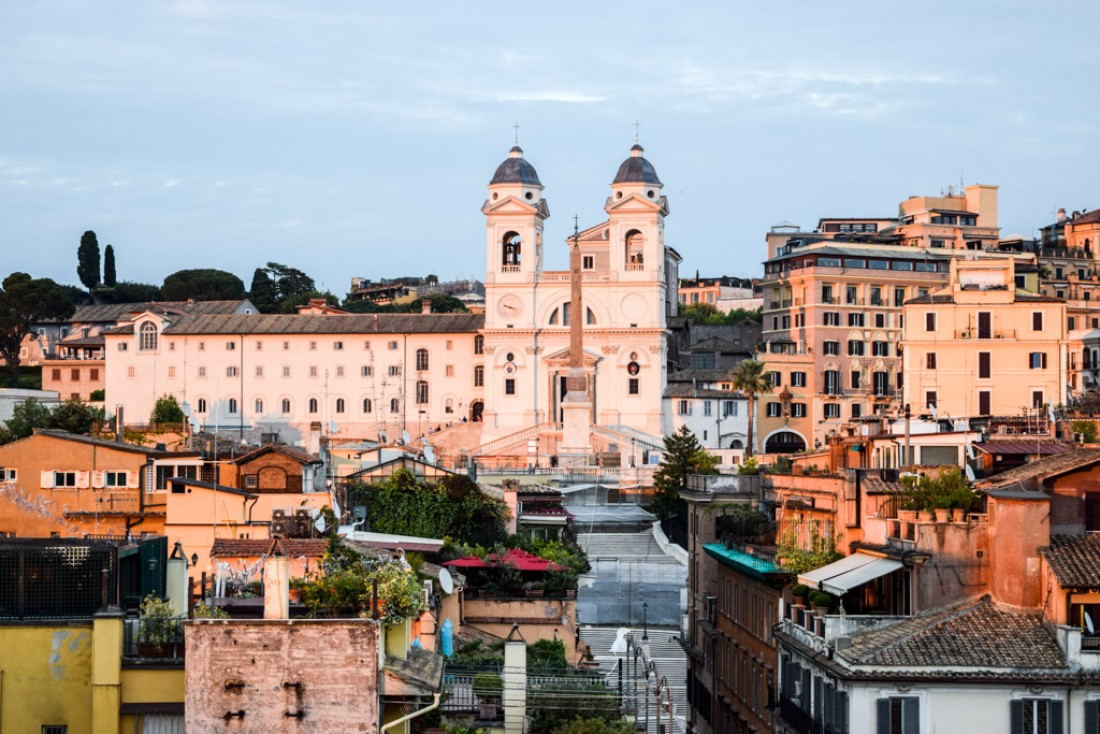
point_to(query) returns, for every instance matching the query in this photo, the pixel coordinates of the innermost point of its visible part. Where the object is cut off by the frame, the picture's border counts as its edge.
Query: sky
(357, 138)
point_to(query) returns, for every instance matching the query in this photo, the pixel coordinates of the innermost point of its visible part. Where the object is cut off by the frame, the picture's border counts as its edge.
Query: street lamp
(645, 627)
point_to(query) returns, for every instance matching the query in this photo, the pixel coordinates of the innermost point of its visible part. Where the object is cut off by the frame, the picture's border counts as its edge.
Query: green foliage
(166, 410)
(204, 284)
(705, 313)
(441, 303)
(683, 456)
(87, 256)
(25, 417)
(488, 685)
(291, 304)
(1087, 429)
(346, 587)
(751, 467)
(749, 377)
(798, 560)
(98, 396)
(742, 523)
(597, 725)
(451, 507)
(24, 302)
(800, 590)
(473, 655)
(555, 703)
(75, 416)
(279, 288)
(130, 292)
(110, 279)
(160, 624)
(543, 655)
(263, 293)
(209, 611)
(949, 490)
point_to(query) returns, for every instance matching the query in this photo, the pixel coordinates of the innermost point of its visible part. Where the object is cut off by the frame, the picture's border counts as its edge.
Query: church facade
(629, 279)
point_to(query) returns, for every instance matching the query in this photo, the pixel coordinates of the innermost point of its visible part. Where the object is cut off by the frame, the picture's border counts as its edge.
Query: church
(628, 277)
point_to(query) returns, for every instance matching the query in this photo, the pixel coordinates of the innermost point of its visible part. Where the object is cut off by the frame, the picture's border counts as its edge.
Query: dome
(637, 169)
(516, 170)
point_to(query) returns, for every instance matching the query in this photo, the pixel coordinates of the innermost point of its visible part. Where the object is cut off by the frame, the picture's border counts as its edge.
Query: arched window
(258, 406)
(589, 317)
(635, 248)
(368, 406)
(421, 360)
(148, 342)
(510, 251)
(200, 405)
(554, 317)
(449, 405)
(395, 405)
(479, 344)
(313, 405)
(286, 406)
(232, 406)
(479, 376)
(340, 405)
(421, 392)
(566, 312)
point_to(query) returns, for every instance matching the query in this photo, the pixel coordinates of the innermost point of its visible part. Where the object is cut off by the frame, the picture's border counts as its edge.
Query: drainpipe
(415, 714)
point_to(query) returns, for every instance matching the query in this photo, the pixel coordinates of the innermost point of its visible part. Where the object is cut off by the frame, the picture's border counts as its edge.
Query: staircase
(512, 439)
(641, 438)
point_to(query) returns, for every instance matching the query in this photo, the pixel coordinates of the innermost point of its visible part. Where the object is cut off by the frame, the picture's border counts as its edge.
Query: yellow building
(980, 347)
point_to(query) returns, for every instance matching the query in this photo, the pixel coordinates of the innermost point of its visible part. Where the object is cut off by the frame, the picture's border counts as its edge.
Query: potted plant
(159, 628)
(209, 611)
(489, 688)
(799, 592)
(533, 589)
(941, 505)
(295, 587)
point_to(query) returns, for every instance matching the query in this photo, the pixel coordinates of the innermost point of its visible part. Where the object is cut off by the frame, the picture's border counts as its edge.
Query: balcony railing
(986, 334)
(153, 639)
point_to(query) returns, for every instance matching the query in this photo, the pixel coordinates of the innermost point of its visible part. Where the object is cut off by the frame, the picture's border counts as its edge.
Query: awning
(848, 573)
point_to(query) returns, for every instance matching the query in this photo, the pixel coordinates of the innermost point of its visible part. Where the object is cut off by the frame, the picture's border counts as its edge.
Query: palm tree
(749, 377)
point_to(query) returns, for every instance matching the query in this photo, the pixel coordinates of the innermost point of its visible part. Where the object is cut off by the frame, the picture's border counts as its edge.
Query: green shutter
(1092, 717)
(883, 715)
(910, 715)
(1016, 717)
(1056, 726)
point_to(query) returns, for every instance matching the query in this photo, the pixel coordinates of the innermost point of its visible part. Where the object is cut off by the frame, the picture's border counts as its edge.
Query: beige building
(980, 347)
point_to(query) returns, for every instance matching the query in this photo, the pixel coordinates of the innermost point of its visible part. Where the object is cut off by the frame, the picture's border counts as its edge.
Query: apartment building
(980, 347)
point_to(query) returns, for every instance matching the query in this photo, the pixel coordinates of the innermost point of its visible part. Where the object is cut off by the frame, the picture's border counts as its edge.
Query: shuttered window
(898, 715)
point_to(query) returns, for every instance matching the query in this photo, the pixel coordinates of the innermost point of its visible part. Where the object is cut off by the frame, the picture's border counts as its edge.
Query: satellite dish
(405, 438)
(446, 582)
(332, 428)
(970, 451)
(1050, 413)
(383, 437)
(969, 473)
(429, 455)
(935, 415)
(319, 521)
(186, 408)
(1088, 623)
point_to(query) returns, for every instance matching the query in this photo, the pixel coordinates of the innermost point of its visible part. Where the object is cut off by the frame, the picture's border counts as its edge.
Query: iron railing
(56, 578)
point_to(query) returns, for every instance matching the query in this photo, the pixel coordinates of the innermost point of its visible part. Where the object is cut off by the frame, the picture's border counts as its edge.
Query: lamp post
(645, 621)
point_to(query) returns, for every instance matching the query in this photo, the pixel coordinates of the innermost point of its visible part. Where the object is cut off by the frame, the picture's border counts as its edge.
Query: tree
(683, 455)
(204, 284)
(263, 293)
(166, 410)
(75, 416)
(87, 256)
(290, 282)
(128, 292)
(24, 301)
(25, 417)
(109, 278)
(291, 304)
(749, 377)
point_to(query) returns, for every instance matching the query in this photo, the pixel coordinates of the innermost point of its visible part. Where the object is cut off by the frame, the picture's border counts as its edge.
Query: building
(724, 293)
(981, 347)
(705, 402)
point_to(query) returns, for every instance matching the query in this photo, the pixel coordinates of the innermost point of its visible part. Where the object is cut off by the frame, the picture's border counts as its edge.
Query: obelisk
(576, 437)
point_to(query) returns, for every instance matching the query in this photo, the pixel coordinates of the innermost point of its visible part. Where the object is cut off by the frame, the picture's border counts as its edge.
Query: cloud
(171, 183)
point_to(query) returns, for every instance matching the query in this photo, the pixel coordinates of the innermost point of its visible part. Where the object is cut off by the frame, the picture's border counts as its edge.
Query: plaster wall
(1018, 528)
(46, 677)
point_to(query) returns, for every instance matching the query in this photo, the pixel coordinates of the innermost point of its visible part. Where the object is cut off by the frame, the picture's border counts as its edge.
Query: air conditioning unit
(304, 527)
(280, 513)
(278, 529)
(302, 513)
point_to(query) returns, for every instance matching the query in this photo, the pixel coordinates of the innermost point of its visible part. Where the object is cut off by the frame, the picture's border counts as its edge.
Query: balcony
(830, 300)
(724, 484)
(986, 334)
(153, 641)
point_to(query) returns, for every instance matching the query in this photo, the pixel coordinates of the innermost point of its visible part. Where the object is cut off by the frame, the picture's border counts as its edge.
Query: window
(880, 321)
(148, 340)
(855, 348)
(258, 406)
(366, 370)
(855, 379)
(115, 478)
(341, 406)
(338, 346)
(930, 398)
(930, 322)
(313, 405)
(876, 296)
(898, 715)
(8, 475)
(632, 386)
(421, 392)
(832, 382)
(230, 346)
(881, 383)
(313, 371)
(286, 371)
(74, 374)
(131, 372)
(230, 371)
(339, 370)
(313, 346)
(200, 405)
(775, 379)
(1038, 716)
(708, 408)
(983, 402)
(421, 360)
(395, 370)
(729, 407)
(479, 344)
(286, 346)
(259, 370)
(1072, 323)
(285, 406)
(202, 346)
(1037, 399)
(202, 372)
(510, 386)
(259, 346)
(985, 370)
(685, 407)
(851, 294)
(392, 346)
(798, 379)
(395, 405)
(880, 349)
(1037, 320)
(55, 729)
(64, 479)
(831, 348)
(1037, 360)
(368, 406)
(832, 318)
(122, 346)
(774, 409)
(588, 262)
(798, 410)
(832, 410)
(479, 376)
(899, 296)
(857, 410)
(450, 344)
(449, 370)
(232, 406)
(930, 361)
(855, 319)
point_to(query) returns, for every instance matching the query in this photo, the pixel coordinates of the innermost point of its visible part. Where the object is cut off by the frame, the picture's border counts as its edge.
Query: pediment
(637, 203)
(562, 356)
(515, 205)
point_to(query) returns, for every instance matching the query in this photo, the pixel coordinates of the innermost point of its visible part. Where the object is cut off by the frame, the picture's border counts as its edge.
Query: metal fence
(56, 578)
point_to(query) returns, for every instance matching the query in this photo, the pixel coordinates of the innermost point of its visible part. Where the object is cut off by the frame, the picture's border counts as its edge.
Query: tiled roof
(898, 252)
(1048, 466)
(296, 454)
(700, 375)
(79, 438)
(718, 344)
(1022, 447)
(327, 324)
(1075, 560)
(254, 548)
(112, 312)
(686, 390)
(975, 634)
(875, 485)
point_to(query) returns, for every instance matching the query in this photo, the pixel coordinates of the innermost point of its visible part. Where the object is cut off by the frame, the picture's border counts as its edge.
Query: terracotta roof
(718, 344)
(1017, 447)
(1075, 560)
(700, 375)
(254, 547)
(1049, 466)
(297, 454)
(1087, 217)
(876, 485)
(687, 390)
(112, 312)
(975, 634)
(233, 324)
(134, 448)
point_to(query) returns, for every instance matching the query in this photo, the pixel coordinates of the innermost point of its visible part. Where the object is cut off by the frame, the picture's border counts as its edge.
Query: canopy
(519, 559)
(848, 573)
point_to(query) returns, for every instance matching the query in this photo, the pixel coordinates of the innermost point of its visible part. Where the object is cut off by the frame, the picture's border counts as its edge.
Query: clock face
(509, 306)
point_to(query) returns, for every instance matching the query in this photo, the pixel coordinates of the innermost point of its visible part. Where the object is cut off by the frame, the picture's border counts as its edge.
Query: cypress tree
(87, 256)
(109, 278)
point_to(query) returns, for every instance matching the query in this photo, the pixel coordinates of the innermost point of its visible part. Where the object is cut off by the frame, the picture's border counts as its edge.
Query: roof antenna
(516, 128)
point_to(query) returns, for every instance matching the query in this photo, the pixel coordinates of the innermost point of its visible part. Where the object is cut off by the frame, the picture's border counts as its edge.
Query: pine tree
(683, 455)
(87, 256)
(264, 294)
(109, 278)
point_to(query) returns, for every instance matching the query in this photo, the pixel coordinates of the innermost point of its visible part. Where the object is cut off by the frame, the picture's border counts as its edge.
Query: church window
(340, 405)
(633, 388)
(313, 405)
(635, 248)
(148, 337)
(368, 406)
(285, 406)
(511, 252)
(510, 386)
(588, 262)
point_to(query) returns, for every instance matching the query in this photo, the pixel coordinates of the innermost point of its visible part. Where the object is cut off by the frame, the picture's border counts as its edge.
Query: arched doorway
(737, 444)
(476, 409)
(784, 442)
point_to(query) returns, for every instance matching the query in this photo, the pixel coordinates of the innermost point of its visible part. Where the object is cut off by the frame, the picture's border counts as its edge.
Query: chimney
(425, 306)
(1062, 215)
(277, 586)
(314, 446)
(119, 423)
